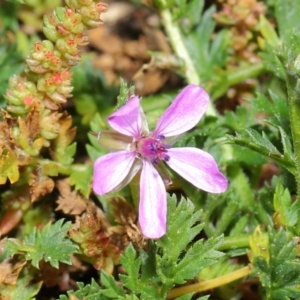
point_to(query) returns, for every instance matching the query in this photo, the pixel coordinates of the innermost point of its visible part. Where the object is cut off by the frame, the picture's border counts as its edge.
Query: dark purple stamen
(160, 137)
(165, 157)
(154, 160)
(154, 148)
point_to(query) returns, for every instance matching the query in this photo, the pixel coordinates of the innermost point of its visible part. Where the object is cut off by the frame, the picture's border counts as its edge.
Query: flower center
(153, 148)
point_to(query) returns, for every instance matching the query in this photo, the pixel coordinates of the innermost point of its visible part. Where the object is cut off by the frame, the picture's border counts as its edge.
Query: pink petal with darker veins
(111, 169)
(199, 168)
(184, 113)
(127, 119)
(153, 203)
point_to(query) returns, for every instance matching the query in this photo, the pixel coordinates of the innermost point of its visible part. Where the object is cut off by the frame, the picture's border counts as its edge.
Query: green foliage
(175, 263)
(95, 150)
(280, 274)
(172, 265)
(49, 244)
(198, 228)
(81, 178)
(212, 54)
(125, 92)
(286, 210)
(175, 260)
(193, 9)
(7, 15)
(287, 18)
(88, 292)
(91, 92)
(11, 62)
(260, 143)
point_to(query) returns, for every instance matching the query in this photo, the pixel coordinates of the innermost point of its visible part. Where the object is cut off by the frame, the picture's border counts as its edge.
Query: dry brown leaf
(126, 216)
(150, 80)
(95, 242)
(66, 133)
(105, 41)
(10, 270)
(33, 123)
(40, 184)
(137, 49)
(70, 202)
(122, 210)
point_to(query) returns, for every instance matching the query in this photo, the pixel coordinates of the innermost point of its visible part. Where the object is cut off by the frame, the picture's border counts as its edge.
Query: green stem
(235, 242)
(249, 71)
(294, 111)
(176, 40)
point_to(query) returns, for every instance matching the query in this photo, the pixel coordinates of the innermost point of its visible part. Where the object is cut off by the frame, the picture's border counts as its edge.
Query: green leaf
(272, 62)
(193, 9)
(260, 143)
(177, 263)
(280, 274)
(132, 264)
(286, 210)
(89, 81)
(67, 155)
(95, 150)
(287, 16)
(81, 178)
(287, 145)
(138, 284)
(49, 244)
(85, 105)
(9, 166)
(113, 290)
(88, 292)
(240, 118)
(125, 92)
(268, 31)
(207, 55)
(276, 108)
(11, 61)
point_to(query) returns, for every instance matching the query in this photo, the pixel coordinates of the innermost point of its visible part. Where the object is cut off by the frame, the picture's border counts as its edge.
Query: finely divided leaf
(112, 289)
(139, 285)
(260, 143)
(49, 244)
(132, 264)
(280, 274)
(87, 292)
(81, 178)
(179, 262)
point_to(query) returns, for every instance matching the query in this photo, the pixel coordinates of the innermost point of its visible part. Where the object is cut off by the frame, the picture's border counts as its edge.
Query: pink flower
(139, 149)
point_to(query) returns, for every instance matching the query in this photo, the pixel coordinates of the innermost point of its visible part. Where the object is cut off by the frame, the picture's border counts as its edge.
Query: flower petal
(153, 203)
(199, 168)
(184, 113)
(136, 166)
(127, 119)
(111, 169)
